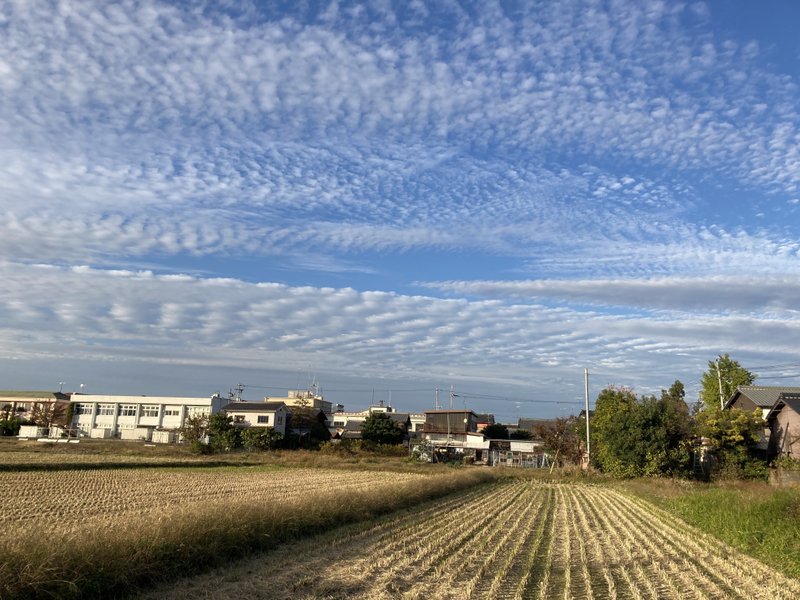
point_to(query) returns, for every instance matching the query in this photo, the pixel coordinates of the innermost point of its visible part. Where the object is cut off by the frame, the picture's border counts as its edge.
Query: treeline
(633, 436)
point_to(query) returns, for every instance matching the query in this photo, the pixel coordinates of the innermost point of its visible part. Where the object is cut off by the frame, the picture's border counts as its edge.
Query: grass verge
(760, 520)
(103, 562)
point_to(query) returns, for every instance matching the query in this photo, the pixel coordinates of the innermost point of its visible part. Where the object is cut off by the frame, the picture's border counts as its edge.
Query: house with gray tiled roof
(750, 397)
(766, 399)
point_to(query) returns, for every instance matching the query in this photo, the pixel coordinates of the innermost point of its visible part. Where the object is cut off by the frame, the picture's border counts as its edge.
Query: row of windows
(126, 410)
(260, 419)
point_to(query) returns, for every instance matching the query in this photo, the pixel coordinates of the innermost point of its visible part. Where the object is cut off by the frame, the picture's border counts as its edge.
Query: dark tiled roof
(761, 396)
(790, 399)
(530, 424)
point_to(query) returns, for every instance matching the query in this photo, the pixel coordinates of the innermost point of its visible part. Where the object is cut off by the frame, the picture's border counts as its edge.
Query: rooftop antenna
(61, 386)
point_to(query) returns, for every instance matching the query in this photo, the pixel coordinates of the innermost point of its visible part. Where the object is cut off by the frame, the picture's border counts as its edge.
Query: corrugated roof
(761, 396)
(252, 406)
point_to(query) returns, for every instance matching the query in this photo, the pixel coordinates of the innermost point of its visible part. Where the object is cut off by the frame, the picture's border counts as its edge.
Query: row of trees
(635, 436)
(218, 433)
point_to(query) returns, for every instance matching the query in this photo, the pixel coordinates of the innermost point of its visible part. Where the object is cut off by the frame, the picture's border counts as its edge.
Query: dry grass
(102, 558)
(109, 497)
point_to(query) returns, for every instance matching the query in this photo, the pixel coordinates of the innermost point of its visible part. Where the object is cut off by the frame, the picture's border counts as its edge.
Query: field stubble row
(511, 540)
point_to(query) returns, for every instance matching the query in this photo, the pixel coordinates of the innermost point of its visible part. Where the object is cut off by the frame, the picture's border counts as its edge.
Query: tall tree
(719, 383)
(613, 447)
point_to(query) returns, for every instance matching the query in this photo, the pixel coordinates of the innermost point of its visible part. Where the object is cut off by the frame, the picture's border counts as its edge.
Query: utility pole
(586, 395)
(719, 381)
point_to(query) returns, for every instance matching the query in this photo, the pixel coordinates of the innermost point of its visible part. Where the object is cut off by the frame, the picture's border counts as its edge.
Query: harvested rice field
(63, 497)
(521, 539)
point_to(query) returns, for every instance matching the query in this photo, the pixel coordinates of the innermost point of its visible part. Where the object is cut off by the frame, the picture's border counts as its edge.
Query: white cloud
(99, 315)
(727, 294)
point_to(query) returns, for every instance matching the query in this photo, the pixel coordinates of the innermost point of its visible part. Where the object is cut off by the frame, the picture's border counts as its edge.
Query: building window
(279, 419)
(263, 419)
(198, 411)
(149, 410)
(127, 410)
(83, 409)
(172, 412)
(105, 409)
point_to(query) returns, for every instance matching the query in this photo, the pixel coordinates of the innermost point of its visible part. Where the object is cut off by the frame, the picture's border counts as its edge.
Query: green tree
(495, 431)
(194, 431)
(261, 438)
(648, 436)
(719, 383)
(380, 429)
(734, 436)
(520, 434)
(224, 435)
(9, 421)
(613, 446)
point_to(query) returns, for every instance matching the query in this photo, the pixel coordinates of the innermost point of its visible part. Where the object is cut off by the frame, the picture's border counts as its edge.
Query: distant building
(137, 417)
(765, 399)
(347, 425)
(518, 453)
(309, 398)
(450, 421)
(258, 414)
(532, 426)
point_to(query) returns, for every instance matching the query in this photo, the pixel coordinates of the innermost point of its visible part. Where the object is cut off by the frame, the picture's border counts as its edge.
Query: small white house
(258, 414)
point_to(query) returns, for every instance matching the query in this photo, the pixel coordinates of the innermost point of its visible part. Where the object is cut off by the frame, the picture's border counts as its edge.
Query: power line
(773, 367)
(520, 400)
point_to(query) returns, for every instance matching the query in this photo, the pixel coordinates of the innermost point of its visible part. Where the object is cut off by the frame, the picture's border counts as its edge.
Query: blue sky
(398, 196)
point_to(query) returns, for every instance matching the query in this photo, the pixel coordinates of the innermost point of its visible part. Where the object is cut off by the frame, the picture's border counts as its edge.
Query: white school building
(151, 418)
